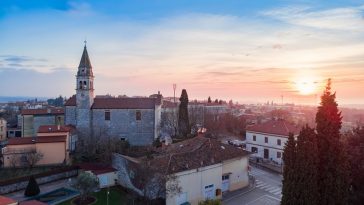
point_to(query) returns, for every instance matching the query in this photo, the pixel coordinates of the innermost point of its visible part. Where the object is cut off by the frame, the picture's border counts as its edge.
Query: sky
(248, 51)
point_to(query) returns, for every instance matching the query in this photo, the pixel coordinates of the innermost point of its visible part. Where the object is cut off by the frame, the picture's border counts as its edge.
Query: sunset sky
(248, 51)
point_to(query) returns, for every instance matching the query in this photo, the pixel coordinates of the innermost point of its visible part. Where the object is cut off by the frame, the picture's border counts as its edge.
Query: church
(135, 119)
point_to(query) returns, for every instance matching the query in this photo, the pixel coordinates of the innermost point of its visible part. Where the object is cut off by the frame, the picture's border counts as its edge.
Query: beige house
(50, 150)
(2, 129)
(55, 130)
(203, 168)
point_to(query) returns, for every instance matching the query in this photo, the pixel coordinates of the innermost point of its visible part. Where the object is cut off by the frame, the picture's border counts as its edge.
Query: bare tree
(13, 160)
(33, 157)
(169, 122)
(155, 182)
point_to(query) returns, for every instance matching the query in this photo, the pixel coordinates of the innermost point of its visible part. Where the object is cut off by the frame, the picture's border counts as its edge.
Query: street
(267, 191)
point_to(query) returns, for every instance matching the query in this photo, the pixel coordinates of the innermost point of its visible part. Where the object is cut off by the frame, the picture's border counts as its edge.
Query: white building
(268, 139)
(204, 169)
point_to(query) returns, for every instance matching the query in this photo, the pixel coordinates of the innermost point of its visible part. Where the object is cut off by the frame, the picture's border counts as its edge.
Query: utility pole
(174, 92)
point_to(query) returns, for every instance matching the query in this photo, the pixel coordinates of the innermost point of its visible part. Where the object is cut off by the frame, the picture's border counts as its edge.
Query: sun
(306, 86)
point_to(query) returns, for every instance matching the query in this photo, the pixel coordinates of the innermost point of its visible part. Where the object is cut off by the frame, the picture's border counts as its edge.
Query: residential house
(64, 130)
(105, 173)
(32, 119)
(20, 151)
(3, 129)
(203, 168)
(267, 140)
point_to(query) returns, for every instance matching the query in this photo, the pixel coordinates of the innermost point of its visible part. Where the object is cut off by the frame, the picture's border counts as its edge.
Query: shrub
(210, 202)
(32, 187)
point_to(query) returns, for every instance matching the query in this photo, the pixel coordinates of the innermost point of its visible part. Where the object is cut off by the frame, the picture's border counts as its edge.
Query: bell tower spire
(84, 92)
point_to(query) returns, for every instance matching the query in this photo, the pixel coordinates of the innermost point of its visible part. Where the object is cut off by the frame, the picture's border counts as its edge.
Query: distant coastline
(5, 99)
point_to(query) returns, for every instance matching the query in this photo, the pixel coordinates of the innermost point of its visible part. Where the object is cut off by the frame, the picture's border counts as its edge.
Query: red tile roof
(169, 104)
(33, 140)
(53, 111)
(32, 202)
(71, 101)
(96, 168)
(277, 127)
(194, 153)
(5, 200)
(124, 103)
(54, 128)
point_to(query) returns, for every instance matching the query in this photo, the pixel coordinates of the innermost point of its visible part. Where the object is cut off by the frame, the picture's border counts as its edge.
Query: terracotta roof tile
(278, 127)
(71, 101)
(124, 103)
(194, 153)
(33, 140)
(54, 128)
(54, 111)
(5, 200)
(96, 168)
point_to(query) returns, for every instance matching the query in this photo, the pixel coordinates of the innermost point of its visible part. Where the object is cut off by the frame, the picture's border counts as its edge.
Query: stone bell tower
(84, 93)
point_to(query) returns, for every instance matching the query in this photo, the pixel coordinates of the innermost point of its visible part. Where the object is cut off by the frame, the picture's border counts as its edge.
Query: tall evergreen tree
(355, 150)
(32, 187)
(333, 164)
(209, 100)
(289, 172)
(306, 176)
(183, 121)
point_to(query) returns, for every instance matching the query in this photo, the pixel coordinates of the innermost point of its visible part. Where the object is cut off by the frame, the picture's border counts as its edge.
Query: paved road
(268, 188)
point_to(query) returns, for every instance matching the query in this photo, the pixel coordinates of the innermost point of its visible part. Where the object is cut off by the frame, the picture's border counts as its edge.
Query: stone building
(136, 119)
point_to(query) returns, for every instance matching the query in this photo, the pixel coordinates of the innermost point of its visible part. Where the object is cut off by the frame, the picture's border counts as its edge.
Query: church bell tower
(84, 93)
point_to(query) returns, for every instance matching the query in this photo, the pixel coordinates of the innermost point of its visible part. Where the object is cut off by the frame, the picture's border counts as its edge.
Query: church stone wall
(70, 115)
(123, 124)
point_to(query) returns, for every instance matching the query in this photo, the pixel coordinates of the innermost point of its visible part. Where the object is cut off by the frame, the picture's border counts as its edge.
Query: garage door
(209, 191)
(225, 183)
(103, 180)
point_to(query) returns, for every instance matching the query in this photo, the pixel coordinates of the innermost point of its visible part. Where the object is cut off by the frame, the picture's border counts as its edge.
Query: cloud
(346, 18)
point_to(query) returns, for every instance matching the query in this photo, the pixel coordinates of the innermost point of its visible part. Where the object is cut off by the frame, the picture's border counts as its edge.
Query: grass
(116, 197)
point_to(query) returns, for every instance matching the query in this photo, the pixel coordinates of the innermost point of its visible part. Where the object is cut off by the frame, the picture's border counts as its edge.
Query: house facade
(19, 151)
(136, 119)
(31, 119)
(3, 129)
(267, 140)
(203, 168)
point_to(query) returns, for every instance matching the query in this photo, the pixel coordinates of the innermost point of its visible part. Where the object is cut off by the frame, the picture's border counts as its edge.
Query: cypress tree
(289, 172)
(183, 121)
(306, 177)
(333, 164)
(32, 187)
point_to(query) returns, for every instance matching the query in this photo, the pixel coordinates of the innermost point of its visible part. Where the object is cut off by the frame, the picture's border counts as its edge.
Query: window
(278, 142)
(254, 150)
(225, 177)
(266, 139)
(279, 155)
(254, 138)
(107, 115)
(80, 85)
(1, 128)
(138, 115)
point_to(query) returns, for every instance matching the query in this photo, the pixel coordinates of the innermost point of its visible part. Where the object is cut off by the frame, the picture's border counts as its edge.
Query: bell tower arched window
(80, 85)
